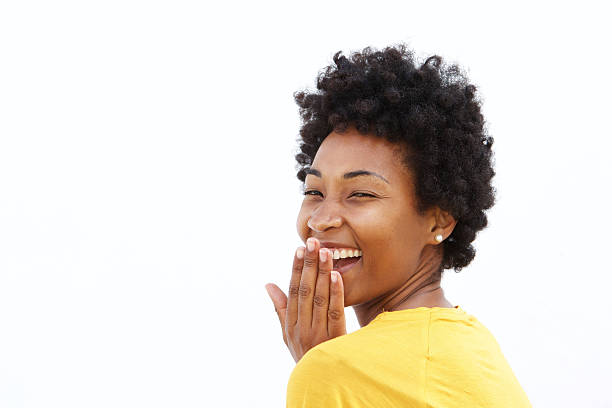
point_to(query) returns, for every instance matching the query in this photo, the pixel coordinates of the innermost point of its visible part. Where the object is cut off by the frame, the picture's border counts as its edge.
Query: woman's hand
(314, 311)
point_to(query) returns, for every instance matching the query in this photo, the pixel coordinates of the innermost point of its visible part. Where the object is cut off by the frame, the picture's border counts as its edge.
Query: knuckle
(320, 300)
(334, 314)
(304, 291)
(309, 262)
(294, 290)
(323, 271)
(297, 268)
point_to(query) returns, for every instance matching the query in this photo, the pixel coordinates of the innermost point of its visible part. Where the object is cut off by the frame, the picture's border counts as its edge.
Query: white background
(148, 191)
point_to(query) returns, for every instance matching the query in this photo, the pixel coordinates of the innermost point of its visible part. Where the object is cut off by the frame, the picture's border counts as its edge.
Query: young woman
(397, 171)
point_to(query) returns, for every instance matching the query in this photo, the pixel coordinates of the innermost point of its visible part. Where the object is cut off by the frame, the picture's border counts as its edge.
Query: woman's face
(359, 195)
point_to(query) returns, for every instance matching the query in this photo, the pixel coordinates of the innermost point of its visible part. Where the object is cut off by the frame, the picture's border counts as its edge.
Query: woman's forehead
(351, 151)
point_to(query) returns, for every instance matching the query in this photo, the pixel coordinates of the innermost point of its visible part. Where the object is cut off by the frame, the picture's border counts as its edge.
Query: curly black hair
(432, 110)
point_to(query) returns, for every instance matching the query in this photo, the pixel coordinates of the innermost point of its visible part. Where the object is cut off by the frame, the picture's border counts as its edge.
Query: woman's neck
(418, 291)
(431, 295)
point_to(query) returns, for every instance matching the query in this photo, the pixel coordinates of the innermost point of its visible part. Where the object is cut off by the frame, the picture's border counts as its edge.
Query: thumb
(279, 299)
(277, 296)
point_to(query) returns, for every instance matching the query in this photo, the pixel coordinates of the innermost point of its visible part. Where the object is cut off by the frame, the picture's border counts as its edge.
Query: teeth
(345, 253)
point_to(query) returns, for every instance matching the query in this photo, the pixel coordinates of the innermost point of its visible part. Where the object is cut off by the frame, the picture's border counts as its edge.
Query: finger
(294, 287)
(307, 283)
(321, 296)
(280, 305)
(336, 322)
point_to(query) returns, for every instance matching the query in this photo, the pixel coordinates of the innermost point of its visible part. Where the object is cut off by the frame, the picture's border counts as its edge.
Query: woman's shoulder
(329, 373)
(426, 351)
(314, 379)
(382, 342)
(406, 331)
(332, 358)
(403, 337)
(380, 355)
(332, 351)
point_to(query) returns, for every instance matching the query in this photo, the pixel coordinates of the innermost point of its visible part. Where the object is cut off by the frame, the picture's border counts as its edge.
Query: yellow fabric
(424, 357)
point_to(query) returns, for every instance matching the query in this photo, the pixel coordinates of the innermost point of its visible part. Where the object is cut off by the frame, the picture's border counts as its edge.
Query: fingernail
(300, 253)
(334, 277)
(310, 244)
(323, 254)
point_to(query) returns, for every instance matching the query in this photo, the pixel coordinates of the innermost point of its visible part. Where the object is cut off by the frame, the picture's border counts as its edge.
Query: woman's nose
(321, 221)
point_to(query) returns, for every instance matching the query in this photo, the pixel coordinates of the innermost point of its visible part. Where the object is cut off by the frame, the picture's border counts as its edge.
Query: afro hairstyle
(432, 110)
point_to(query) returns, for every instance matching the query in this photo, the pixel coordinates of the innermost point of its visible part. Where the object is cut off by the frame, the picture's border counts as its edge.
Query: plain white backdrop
(148, 191)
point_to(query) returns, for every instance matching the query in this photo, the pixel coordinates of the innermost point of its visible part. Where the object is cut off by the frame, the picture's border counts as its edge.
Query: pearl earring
(439, 238)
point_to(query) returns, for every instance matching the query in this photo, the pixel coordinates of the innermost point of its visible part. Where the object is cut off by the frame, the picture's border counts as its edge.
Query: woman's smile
(344, 256)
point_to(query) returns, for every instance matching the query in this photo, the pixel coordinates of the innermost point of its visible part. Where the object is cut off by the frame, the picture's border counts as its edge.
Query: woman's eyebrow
(358, 173)
(312, 171)
(349, 175)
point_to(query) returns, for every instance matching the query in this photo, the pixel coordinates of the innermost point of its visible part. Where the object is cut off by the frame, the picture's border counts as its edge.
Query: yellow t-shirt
(423, 357)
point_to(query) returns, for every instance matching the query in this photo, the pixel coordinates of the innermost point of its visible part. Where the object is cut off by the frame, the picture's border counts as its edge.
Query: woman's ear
(442, 224)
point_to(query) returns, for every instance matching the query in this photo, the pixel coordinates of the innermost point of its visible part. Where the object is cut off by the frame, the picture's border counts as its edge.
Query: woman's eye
(313, 192)
(363, 195)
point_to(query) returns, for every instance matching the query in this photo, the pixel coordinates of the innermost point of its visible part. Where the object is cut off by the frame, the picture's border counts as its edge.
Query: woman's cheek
(371, 225)
(374, 233)
(302, 223)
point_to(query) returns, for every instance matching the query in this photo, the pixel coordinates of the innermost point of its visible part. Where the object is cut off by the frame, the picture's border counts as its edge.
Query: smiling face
(359, 194)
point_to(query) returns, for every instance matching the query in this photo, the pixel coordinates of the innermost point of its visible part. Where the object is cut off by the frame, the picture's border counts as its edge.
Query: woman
(397, 171)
